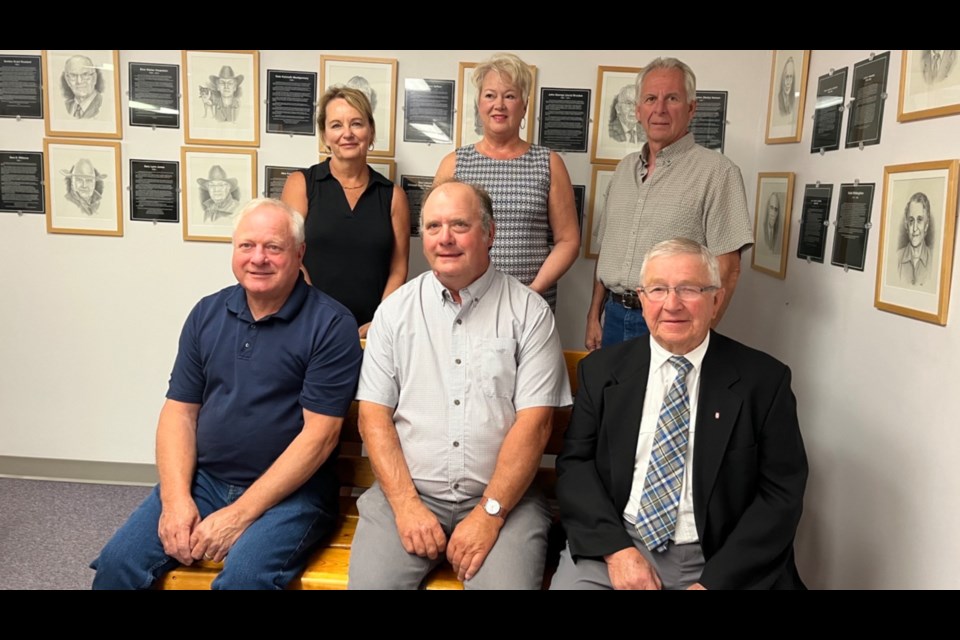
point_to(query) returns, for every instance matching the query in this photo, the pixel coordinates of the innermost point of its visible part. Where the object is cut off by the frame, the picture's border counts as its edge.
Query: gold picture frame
(377, 78)
(83, 187)
(208, 216)
(96, 112)
(468, 128)
(772, 229)
(612, 140)
(788, 94)
(915, 258)
(221, 97)
(599, 184)
(929, 84)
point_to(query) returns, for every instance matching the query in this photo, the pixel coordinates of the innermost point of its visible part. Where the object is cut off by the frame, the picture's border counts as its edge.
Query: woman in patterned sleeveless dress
(529, 184)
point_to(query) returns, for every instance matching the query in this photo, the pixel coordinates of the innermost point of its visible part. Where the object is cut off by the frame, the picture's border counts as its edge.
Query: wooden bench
(327, 567)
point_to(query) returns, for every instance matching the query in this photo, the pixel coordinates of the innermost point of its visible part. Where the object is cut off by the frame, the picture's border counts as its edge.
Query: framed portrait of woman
(221, 99)
(83, 187)
(377, 79)
(469, 129)
(929, 84)
(788, 93)
(82, 96)
(616, 131)
(915, 259)
(771, 223)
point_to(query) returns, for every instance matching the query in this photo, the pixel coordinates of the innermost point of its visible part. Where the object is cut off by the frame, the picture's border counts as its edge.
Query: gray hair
(684, 247)
(295, 217)
(509, 65)
(486, 204)
(657, 64)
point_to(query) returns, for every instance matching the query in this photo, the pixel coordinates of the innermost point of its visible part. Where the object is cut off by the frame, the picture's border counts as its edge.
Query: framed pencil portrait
(616, 131)
(83, 187)
(82, 99)
(215, 185)
(915, 259)
(771, 223)
(377, 79)
(602, 174)
(221, 97)
(929, 84)
(469, 127)
(788, 93)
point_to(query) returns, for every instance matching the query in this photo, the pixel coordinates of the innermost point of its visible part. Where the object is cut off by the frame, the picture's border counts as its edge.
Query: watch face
(492, 507)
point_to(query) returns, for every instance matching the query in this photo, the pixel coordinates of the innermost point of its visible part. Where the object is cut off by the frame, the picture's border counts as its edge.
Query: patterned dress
(519, 189)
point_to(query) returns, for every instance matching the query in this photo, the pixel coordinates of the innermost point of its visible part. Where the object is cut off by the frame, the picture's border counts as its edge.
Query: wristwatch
(493, 508)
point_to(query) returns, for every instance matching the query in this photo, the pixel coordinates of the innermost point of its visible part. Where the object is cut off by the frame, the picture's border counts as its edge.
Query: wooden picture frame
(599, 184)
(929, 84)
(377, 78)
(208, 215)
(469, 129)
(772, 228)
(221, 102)
(83, 187)
(917, 229)
(788, 94)
(612, 139)
(82, 97)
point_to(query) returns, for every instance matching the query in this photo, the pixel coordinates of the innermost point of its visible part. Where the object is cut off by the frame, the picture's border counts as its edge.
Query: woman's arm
(295, 195)
(562, 212)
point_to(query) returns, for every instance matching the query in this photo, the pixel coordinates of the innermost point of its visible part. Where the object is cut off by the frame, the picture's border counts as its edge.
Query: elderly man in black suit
(683, 466)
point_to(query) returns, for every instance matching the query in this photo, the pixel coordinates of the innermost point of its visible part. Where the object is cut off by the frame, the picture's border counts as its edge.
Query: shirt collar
(323, 173)
(670, 152)
(473, 291)
(237, 302)
(907, 255)
(659, 356)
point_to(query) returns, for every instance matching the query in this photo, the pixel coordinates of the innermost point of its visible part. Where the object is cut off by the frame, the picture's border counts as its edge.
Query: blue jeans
(268, 555)
(620, 324)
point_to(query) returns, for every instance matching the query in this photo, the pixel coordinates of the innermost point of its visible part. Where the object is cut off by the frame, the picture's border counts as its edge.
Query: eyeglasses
(77, 77)
(686, 292)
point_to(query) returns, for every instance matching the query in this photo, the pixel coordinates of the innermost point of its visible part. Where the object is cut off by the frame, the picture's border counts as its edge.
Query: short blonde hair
(510, 66)
(355, 98)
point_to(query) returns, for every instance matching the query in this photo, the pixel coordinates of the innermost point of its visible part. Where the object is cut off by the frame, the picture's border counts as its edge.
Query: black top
(349, 252)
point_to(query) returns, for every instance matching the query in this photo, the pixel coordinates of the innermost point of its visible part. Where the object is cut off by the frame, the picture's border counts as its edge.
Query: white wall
(89, 325)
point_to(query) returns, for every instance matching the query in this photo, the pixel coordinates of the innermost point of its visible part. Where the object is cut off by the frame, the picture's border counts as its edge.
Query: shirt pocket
(498, 367)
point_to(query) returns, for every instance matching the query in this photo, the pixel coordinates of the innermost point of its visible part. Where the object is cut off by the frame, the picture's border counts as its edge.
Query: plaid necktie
(657, 517)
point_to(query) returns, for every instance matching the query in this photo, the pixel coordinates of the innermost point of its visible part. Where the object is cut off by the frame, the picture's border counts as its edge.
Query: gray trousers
(379, 561)
(679, 566)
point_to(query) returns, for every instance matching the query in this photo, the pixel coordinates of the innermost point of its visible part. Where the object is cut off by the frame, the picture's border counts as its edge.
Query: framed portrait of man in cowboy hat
(216, 183)
(82, 96)
(222, 97)
(83, 187)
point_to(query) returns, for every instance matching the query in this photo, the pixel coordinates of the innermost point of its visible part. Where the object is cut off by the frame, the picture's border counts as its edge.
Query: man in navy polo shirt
(246, 440)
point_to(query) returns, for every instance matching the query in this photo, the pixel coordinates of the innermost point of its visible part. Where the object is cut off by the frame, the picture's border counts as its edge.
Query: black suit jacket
(749, 464)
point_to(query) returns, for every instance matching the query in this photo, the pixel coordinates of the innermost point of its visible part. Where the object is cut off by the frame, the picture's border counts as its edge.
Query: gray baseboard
(78, 470)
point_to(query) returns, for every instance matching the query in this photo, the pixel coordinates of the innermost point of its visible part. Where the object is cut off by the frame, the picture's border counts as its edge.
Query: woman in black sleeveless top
(357, 221)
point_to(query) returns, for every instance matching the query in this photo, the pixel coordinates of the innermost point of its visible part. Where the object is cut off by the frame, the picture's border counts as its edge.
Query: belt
(629, 300)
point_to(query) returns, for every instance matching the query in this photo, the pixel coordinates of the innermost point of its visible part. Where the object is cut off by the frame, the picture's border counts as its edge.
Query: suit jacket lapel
(717, 412)
(623, 407)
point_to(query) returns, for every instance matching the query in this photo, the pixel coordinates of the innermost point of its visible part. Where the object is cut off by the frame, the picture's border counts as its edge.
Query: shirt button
(456, 444)
(459, 321)
(253, 325)
(457, 360)
(456, 403)
(246, 345)
(456, 485)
